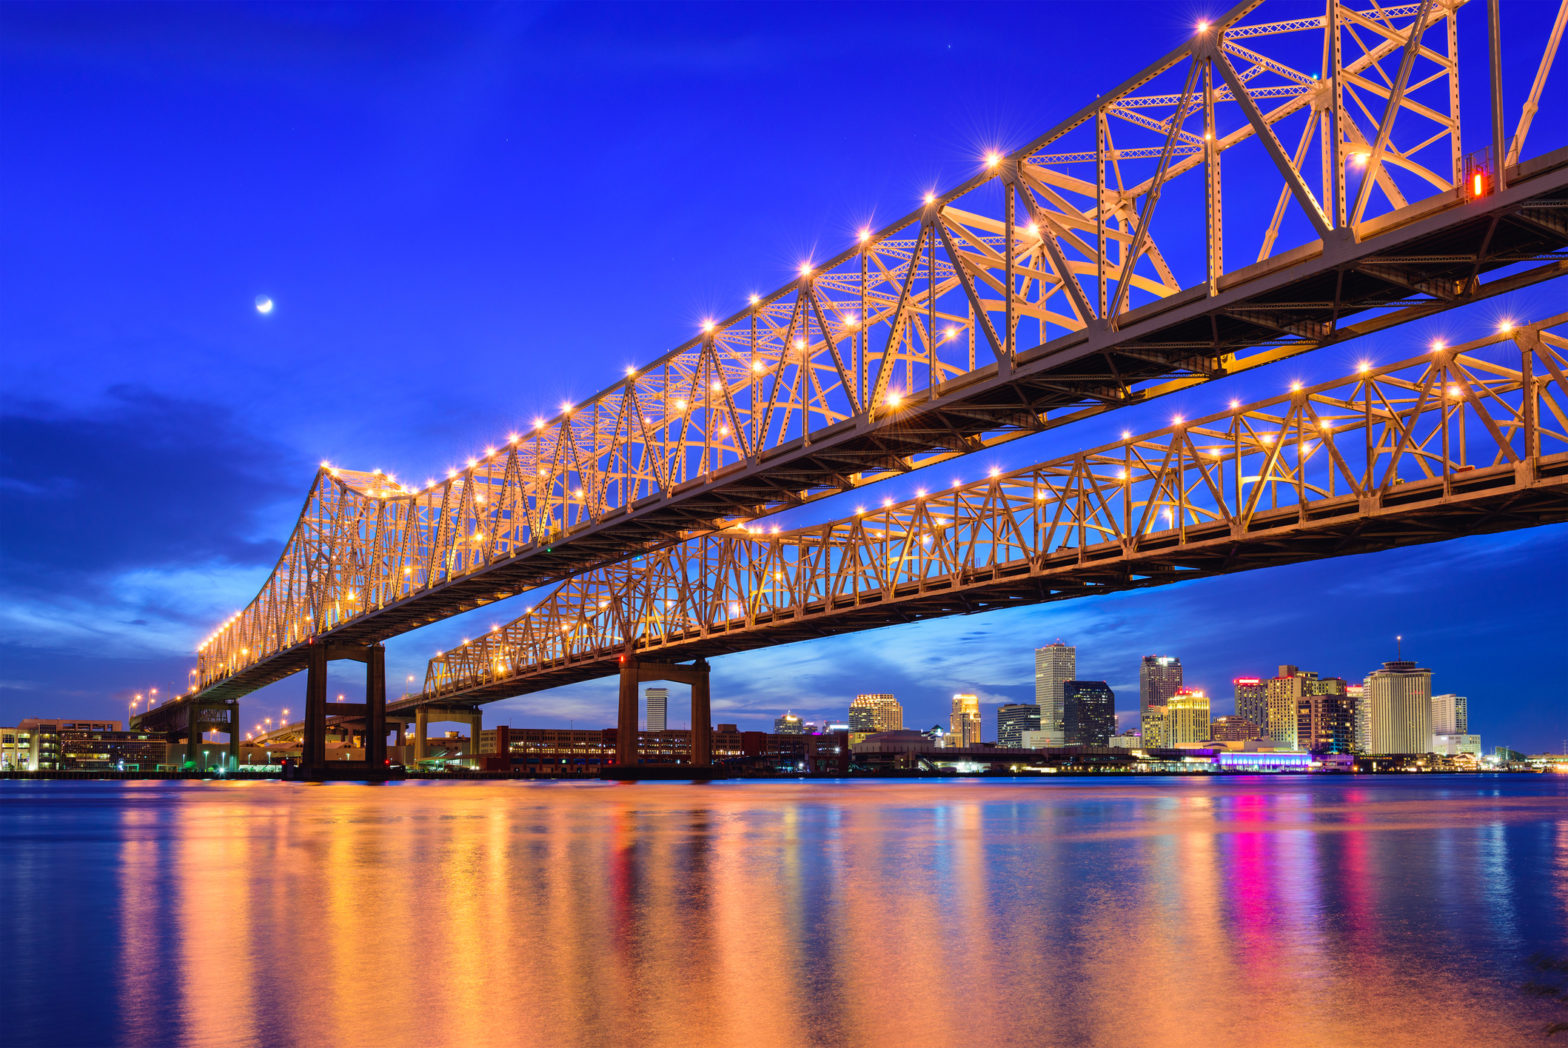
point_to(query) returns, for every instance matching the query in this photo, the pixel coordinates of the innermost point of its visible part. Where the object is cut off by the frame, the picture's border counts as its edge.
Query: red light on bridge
(1477, 184)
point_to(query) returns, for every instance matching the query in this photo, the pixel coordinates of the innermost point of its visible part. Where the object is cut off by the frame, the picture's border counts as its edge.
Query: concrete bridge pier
(313, 746)
(635, 671)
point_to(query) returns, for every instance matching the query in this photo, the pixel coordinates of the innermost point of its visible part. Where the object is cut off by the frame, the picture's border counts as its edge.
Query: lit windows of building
(1054, 665)
(874, 712)
(1400, 696)
(1013, 719)
(1187, 717)
(1088, 713)
(1252, 699)
(1158, 678)
(658, 700)
(965, 720)
(789, 724)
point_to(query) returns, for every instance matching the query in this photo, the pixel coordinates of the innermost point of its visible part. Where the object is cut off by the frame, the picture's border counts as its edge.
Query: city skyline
(90, 620)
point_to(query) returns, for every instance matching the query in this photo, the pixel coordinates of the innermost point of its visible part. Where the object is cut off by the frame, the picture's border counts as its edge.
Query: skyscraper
(1252, 699)
(1187, 717)
(1158, 678)
(1287, 694)
(1012, 720)
(1326, 719)
(1400, 697)
(1088, 713)
(965, 722)
(873, 713)
(1361, 737)
(1054, 665)
(658, 707)
(789, 724)
(1450, 715)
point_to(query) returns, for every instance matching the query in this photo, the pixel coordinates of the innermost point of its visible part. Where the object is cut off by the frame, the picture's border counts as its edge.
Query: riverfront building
(872, 713)
(1158, 678)
(964, 725)
(789, 724)
(1252, 699)
(1450, 715)
(1088, 713)
(1013, 720)
(1400, 695)
(658, 707)
(1054, 665)
(1187, 717)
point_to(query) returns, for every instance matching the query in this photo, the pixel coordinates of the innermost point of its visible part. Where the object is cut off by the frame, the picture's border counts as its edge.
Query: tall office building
(1054, 665)
(1233, 729)
(1252, 699)
(1450, 715)
(1361, 735)
(1286, 697)
(1012, 720)
(658, 708)
(1158, 678)
(873, 713)
(1326, 719)
(965, 722)
(1088, 713)
(1187, 717)
(1400, 718)
(789, 724)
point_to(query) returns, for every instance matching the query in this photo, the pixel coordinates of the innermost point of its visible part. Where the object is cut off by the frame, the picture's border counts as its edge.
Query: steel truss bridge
(1458, 441)
(1045, 289)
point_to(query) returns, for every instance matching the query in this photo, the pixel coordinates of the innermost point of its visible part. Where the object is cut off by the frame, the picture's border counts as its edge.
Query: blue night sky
(469, 213)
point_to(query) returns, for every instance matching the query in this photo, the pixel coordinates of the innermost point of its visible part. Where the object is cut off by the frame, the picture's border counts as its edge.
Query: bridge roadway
(1460, 441)
(355, 573)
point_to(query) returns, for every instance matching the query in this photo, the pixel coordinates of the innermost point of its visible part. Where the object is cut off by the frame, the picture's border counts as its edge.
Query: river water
(1242, 911)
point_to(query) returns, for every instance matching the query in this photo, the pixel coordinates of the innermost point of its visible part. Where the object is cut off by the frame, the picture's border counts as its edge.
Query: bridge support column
(626, 722)
(376, 706)
(313, 743)
(475, 726)
(701, 717)
(421, 729)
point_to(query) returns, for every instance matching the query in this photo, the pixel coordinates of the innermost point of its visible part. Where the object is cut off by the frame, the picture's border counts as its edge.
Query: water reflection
(1277, 912)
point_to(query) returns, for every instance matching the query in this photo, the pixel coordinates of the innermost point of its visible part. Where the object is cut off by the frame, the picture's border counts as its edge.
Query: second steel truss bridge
(1461, 440)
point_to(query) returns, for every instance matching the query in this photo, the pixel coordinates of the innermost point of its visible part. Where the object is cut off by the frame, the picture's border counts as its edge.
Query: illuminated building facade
(1054, 665)
(1088, 713)
(1234, 729)
(1252, 699)
(874, 712)
(1158, 678)
(1186, 717)
(964, 724)
(1400, 695)
(1013, 719)
(1326, 719)
(1450, 715)
(789, 724)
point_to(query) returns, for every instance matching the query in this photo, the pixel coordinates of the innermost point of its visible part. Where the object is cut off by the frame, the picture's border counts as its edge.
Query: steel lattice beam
(1461, 440)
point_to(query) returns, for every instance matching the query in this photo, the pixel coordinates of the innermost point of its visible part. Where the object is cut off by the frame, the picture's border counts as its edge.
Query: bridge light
(930, 199)
(886, 502)
(489, 452)
(895, 398)
(755, 299)
(920, 493)
(707, 325)
(1234, 404)
(1359, 156)
(1176, 420)
(538, 423)
(949, 333)
(680, 405)
(800, 343)
(1295, 387)
(472, 463)
(1363, 367)
(1506, 326)
(995, 472)
(717, 387)
(993, 158)
(756, 367)
(865, 235)
(1477, 185)
(1032, 229)
(859, 510)
(805, 269)
(1126, 434)
(1437, 345)
(852, 320)
(1203, 27)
